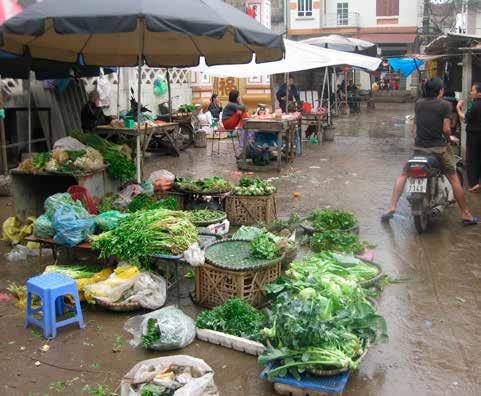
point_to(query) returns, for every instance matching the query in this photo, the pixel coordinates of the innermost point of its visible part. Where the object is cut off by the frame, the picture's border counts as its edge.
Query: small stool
(51, 288)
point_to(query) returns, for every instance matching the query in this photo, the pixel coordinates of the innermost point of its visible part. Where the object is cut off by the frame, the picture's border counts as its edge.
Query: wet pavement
(434, 315)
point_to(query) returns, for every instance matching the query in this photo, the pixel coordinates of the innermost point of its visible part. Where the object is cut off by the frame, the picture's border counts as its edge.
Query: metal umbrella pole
(329, 87)
(29, 111)
(287, 93)
(167, 76)
(323, 88)
(139, 102)
(3, 139)
(118, 93)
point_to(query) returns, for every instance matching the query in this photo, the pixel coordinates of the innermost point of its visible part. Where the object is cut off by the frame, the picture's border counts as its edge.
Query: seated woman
(205, 119)
(234, 112)
(215, 107)
(92, 114)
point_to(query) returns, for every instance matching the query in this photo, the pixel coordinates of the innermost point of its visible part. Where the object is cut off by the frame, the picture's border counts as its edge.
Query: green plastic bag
(107, 221)
(43, 227)
(160, 87)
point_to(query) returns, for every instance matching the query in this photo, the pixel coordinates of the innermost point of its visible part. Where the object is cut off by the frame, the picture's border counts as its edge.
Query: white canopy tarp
(298, 57)
(340, 43)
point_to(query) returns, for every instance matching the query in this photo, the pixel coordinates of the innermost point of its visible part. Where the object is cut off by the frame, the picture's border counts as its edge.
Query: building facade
(391, 24)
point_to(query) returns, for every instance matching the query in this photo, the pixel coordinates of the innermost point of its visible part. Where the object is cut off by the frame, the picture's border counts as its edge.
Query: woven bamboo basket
(214, 286)
(251, 210)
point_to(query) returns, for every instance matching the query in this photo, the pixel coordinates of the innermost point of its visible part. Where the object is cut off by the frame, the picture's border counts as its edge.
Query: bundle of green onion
(146, 233)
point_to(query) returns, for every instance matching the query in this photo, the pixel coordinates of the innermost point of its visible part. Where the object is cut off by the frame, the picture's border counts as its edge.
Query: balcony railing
(349, 19)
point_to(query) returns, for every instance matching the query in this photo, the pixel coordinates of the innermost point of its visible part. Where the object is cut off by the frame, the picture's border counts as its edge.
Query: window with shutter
(387, 8)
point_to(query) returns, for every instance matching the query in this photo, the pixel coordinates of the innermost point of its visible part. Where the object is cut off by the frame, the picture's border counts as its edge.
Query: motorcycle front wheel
(421, 222)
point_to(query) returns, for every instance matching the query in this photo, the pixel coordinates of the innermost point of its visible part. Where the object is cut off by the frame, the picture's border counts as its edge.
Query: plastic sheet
(107, 221)
(176, 328)
(149, 290)
(43, 227)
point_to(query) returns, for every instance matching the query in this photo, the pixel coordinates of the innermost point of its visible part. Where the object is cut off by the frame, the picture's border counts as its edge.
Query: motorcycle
(429, 191)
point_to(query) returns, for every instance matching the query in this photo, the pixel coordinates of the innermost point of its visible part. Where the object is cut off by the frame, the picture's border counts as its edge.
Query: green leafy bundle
(235, 317)
(73, 271)
(265, 246)
(254, 187)
(209, 185)
(318, 321)
(120, 166)
(205, 215)
(40, 160)
(152, 334)
(332, 219)
(186, 108)
(337, 241)
(140, 202)
(146, 233)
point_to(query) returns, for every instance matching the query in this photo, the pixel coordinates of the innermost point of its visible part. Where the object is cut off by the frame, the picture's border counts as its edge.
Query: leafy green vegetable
(205, 215)
(120, 166)
(248, 233)
(146, 233)
(338, 241)
(254, 187)
(156, 390)
(329, 219)
(139, 202)
(40, 160)
(235, 317)
(264, 247)
(152, 334)
(73, 271)
(186, 108)
(212, 185)
(74, 155)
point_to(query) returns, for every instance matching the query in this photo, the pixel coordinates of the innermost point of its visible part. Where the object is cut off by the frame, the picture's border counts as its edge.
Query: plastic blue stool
(51, 288)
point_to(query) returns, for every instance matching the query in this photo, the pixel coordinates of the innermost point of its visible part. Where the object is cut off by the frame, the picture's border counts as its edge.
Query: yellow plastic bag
(15, 232)
(98, 277)
(112, 289)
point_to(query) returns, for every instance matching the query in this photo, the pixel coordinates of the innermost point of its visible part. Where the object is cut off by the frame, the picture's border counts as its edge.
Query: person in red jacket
(234, 112)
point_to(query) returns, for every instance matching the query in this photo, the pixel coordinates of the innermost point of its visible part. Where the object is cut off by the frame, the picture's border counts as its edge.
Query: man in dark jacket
(282, 94)
(92, 114)
(472, 117)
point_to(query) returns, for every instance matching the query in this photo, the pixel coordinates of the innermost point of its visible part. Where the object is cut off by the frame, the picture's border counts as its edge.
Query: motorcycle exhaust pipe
(437, 210)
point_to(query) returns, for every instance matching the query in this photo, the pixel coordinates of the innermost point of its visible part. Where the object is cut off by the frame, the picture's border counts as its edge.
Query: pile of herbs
(254, 187)
(146, 233)
(266, 246)
(205, 215)
(332, 219)
(40, 160)
(319, 322)
(209, 185)
(144, 201)
(235, 317)
(121, 167)
(337, 241)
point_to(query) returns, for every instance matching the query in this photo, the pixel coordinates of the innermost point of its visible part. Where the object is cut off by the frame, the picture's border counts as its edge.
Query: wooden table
(317, 120)
(166, 130)
(284, 129)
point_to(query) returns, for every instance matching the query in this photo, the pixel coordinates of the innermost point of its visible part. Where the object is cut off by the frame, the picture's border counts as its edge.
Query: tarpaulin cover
(405, 65)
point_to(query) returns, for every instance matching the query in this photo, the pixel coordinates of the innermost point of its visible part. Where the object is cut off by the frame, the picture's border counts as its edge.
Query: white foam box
(229, 341)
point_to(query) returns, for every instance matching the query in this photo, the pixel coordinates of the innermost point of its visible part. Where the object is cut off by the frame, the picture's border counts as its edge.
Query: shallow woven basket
(220, 219)
(328, 373)
(234, 255)
(119, 307)
(177, 187)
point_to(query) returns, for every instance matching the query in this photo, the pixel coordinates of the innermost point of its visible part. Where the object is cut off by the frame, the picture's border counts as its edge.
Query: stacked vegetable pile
(121, 167)
(333, 219)
(235, 317)
(209, 185)
(206, 216)
(320, 319)
(64, 161)
(146, 233)
(254, 187)
(264, 244)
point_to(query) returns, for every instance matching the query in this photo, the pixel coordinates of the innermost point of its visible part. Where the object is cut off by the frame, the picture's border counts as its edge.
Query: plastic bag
(112, 289)
(149, 290)
(127, 194)
(43, 227)
(18, 253)
(176, 328)
(148, 187)
(69, 144)
(70, 227)
(201, 382)
(194, 255)
(162, 180)
(109, 220)
(15, 232)
(55, 201)
(82, 283)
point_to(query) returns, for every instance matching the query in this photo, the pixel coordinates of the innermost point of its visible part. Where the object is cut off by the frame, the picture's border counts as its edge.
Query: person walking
(472, 118)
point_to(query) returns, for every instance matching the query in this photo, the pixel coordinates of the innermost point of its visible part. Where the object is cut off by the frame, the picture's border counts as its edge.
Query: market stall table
(167, 130)
(284, 129)
(316, 120)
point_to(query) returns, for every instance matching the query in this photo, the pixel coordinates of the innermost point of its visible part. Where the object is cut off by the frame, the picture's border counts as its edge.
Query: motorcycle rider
(432, 130)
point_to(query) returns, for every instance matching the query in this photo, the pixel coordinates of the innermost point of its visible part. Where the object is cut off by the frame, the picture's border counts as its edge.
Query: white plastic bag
(201, 383)
(18, 253)
(69, 144)
(220, 228)
(112, 289)
(149, 290)
(127, 195)
(176, 328)
(162, 175)
(194, 255)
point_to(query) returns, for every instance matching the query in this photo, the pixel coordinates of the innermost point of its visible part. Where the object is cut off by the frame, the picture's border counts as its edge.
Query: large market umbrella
(162, 33)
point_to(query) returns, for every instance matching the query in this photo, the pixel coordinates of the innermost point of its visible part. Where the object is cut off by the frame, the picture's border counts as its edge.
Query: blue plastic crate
(331, 384)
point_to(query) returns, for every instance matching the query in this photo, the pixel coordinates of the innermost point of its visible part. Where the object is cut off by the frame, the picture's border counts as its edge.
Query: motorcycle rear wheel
(421, 222)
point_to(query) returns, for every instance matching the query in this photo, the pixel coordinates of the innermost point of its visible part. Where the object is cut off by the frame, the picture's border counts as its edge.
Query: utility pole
(426, 17)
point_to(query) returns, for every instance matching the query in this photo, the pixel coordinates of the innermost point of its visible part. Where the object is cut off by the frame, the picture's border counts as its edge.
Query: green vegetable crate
(251, 210)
